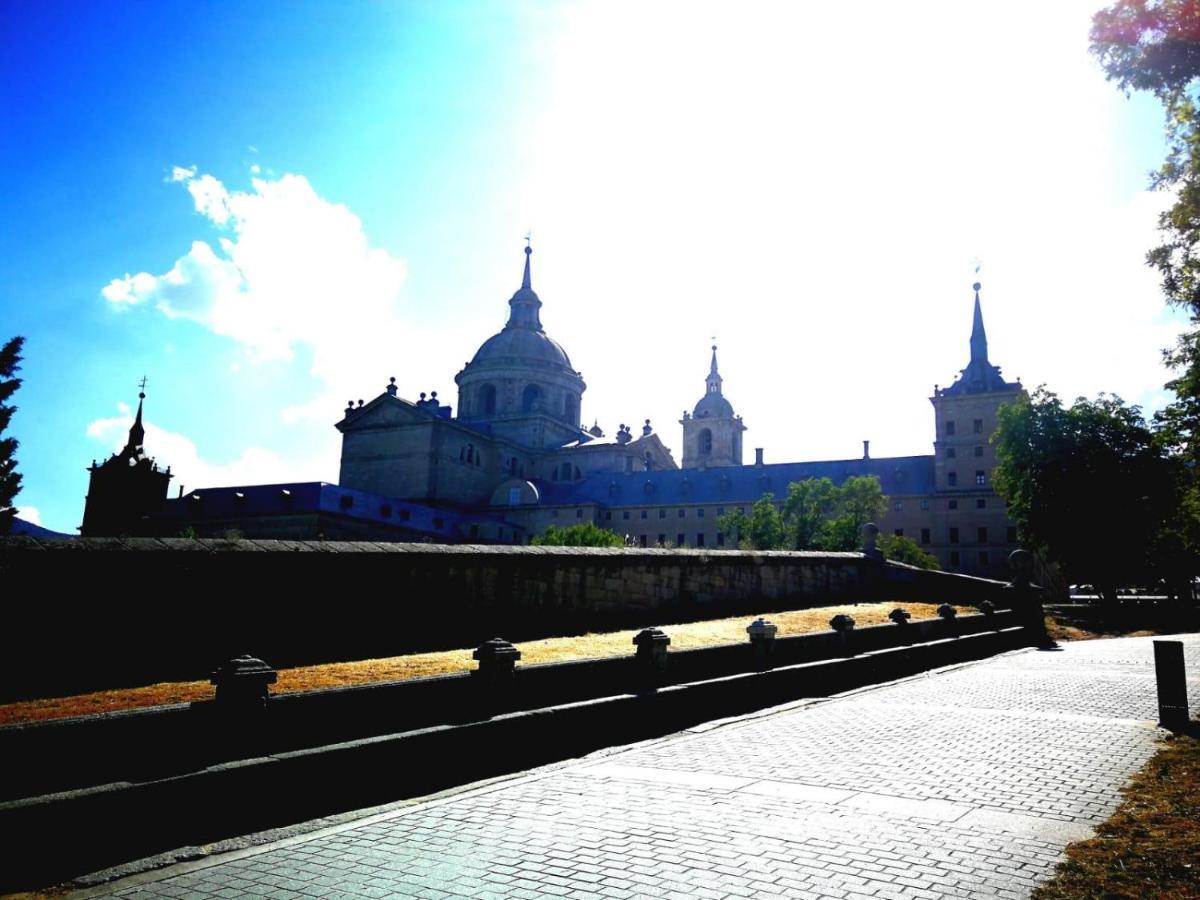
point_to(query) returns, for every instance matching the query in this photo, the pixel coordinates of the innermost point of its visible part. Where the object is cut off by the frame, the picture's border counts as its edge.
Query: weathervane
(142, 386)
(528, 236)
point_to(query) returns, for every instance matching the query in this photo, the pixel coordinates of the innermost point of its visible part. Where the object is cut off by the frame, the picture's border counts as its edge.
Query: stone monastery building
(517, 459)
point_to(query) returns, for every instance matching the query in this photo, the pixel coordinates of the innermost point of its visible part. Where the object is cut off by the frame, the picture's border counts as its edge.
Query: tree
(763, 529)
(1088, 485)
(587, 534)
(815, 515)
(808, 505)
(10, 478)
(1154, 46)
(859, 500)
(906, 550)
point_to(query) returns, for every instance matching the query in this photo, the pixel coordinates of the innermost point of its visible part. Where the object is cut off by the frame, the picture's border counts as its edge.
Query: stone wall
(103, 612)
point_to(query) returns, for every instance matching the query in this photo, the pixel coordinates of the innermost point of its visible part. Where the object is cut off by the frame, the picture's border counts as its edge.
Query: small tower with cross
(712, 434)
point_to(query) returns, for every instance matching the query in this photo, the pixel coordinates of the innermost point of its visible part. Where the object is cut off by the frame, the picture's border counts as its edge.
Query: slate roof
(898, 475)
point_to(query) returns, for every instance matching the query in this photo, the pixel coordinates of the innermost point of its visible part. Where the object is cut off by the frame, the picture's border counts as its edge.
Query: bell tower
(712, 434)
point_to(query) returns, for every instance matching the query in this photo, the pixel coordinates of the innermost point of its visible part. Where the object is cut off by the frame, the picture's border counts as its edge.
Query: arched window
(566, 471)
(705, 442)
(487, 399)
(571, 409)
(470, 453)
(531, 398)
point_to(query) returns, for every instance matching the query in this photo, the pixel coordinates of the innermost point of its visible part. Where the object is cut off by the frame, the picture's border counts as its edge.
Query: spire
(713, 382)
(137, 433)
(978, 335)
(525, 304)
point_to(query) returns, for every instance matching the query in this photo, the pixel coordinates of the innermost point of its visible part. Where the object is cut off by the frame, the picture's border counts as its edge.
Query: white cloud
(254, 465)
(29, 514)
(289, 270)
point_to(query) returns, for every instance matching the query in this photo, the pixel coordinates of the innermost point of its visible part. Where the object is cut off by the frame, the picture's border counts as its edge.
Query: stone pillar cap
(496, 649)
(244, 666)
(651, 637)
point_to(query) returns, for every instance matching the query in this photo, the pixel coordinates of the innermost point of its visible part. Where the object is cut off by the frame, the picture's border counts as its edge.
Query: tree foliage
(816, 514)
(10, 478)
(586, 534)
(1090, 487)
(906, 550)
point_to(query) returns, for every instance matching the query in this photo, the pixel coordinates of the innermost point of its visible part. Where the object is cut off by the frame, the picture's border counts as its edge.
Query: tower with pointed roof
(965, 417)
(126, 490)
(520, 384)
(712, 434)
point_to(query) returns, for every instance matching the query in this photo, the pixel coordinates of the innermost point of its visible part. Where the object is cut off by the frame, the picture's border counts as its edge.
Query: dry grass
(588, 646)
(1151, 845)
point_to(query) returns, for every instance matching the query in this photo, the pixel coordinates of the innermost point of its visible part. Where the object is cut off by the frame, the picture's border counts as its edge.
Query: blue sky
(270, 208)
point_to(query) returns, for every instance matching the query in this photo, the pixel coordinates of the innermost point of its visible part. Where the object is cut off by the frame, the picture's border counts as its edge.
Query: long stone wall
(103, 612)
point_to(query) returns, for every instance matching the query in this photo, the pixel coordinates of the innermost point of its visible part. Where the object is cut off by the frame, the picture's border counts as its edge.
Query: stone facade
(517, 459)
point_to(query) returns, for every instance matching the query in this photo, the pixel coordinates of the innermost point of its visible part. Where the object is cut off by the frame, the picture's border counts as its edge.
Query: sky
(269, 209)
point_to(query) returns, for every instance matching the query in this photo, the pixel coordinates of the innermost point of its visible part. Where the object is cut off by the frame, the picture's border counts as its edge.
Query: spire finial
(978, 334)
(526, 285)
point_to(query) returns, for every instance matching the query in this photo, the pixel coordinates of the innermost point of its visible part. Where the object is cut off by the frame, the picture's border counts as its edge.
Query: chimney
(866, 449)
(758, 452)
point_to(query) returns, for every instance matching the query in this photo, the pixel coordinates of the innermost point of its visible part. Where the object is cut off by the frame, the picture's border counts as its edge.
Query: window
(571, 411)
(951, 504)
(924, 535)
(554, 513)
(898, 506)
(952, 479)
(898, 532)
(345, 501)
(682, 513)
(700, 513)
(984, 559)
(950, 428)
(514, 496)
(978, 426)
(954, 535)
(641, 540)
(386, 511)
(662, 513)
(705, 442)
(1010, 534)
(980, 503)
(700, 539)
(608, 515)
(954, 559)
(981, 535)
(645, 514)
(980, 476)
(662, 540)
(531, 398)
(579, 513)
(951, 453)
(405, 515)
(680, 540)
(924, 504)
(566, 471)
(978, 450)
(487, 399)
(720, 539)
(625, 514)
(438, 523)
(720, 510)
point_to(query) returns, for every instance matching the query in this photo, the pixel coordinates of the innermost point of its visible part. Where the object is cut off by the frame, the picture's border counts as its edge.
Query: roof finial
(525, 283)
(712, 369)
(137, 433)
(978, 334)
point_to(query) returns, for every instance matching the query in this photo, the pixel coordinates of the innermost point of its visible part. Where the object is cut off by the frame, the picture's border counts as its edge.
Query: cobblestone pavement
(963, 783)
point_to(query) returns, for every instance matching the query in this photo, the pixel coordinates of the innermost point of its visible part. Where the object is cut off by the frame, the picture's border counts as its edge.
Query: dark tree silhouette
(10, 479)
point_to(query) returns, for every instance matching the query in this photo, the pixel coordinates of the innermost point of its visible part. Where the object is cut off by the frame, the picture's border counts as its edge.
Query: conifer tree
(10, 479)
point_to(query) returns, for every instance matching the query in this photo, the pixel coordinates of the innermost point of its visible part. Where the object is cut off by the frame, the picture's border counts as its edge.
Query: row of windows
(681, 540)
(976, 427)
(980, 503)
(952, 452)
(981, 535)
(531, 401)
(980, 478)
(662, 513)
(984, 557)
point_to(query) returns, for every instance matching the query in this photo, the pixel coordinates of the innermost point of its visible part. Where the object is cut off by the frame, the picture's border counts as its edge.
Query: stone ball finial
(870, 533)
(1021, 562)
(975, 287)
(433, 394)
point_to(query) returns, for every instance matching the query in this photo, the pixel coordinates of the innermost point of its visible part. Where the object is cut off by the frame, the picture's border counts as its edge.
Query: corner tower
(712, 434)
(520, 383)
(965, 416)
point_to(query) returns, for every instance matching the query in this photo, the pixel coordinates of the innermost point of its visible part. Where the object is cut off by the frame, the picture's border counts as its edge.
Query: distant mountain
(28, 529)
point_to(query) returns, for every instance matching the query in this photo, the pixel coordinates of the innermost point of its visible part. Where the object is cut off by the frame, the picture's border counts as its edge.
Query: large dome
(521, 345)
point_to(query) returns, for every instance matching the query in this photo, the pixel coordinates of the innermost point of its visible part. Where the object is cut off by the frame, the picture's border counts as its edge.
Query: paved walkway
(964, 783)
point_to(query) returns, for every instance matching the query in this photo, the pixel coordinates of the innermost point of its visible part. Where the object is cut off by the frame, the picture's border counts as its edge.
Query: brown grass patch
(1151, 845)
(417, 665)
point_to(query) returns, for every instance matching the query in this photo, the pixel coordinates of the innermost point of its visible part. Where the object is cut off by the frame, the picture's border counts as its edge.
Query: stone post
(870, 534)
(242, 685)
(1172, 685)
(843, 625)
(1025, 598)
(651, 654)
(762, 642)
(496, 674)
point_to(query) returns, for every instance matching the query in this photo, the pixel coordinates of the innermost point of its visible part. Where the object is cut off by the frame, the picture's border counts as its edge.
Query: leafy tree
(1088, 485)
(906, 550)
(763, 529)
(586, 534)
(815, 515)
(10, 478)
